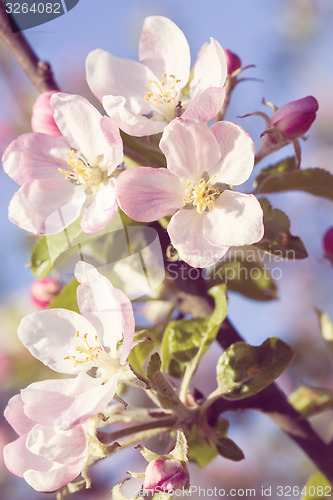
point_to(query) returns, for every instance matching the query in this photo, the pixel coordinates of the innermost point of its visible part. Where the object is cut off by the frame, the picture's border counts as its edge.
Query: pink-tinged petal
(186, 231)
(113, 156)
(42, 119)
(164, 49)
(102, 208)
(55, 477)
(119, 109)
(128, 322)
(236, 220)
(18, 459)
(146, 194)
(210, 70)
(190, 149)
(104, 305)
(15, 415)
(205, 105)
(79, 122)
(110, 75)
(237, 153)
(35, 156)
(57, 445)
(46, 206)
(51, 337)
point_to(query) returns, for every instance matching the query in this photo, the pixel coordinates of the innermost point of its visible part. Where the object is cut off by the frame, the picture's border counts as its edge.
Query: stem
(39, 72)
(108, 437)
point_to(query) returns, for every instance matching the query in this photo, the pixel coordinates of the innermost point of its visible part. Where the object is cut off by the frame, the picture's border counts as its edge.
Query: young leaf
(326, 327)
(188, 339)
(66, 298)
(286, 165)
(249, 278)
(317, 487)
(244, 370)
(228, 449)
(316, 181)
(309, 400)
(277, 239)
(200, 451)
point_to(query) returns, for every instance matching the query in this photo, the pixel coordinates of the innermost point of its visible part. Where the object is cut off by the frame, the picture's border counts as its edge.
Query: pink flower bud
(295, 118)
(43, 291)
(328, 242)
(233, 61)
(42, 115)
(165, 475)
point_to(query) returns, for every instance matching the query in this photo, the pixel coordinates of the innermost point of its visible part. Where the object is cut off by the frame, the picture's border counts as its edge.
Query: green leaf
(188, 339)
(316, 181)
(277, 239)
(66, 298)
(286, 165)
(244, 370)
(249, 278)
(139, 354)
(309, 400)
(199, 450)
(229, 449)
(317, 487)
(326, 327)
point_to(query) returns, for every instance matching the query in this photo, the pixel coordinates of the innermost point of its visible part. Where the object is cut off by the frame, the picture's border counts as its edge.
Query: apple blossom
(295, 118)
(45, 456)
(165, 475)
(233, 61)
(142, 97)
(60, 176)
(42, 119)
(94, 345)
(202, 164)
(43, 291)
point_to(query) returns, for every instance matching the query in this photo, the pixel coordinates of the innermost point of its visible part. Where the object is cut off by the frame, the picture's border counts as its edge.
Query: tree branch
(39, 72)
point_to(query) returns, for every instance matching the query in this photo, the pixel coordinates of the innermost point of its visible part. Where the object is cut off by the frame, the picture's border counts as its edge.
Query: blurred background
(290, 43)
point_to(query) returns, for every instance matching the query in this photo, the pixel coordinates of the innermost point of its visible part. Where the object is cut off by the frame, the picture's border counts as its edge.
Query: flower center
(164, 96)
(82, 172)
(93, 353)
(202, 195)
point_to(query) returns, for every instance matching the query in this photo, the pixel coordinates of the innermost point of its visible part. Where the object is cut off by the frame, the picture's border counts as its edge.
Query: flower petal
(35, 156)
(237, 219)
(110, 75)
(46, 206)
(50, 336)
(210, 70)
(190, 149)
(205, 105)
(101, 209)
(57, 445)
(119, 109)
(186, 231)
(237, 153)
(164, 48)
(15, 415)
(54, 477)
(146, 194)
(113, 156)
(18, 459)
(79, 122)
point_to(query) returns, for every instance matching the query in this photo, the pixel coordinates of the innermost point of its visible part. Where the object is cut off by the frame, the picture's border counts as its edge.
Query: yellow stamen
(82, 172)
(202, 195)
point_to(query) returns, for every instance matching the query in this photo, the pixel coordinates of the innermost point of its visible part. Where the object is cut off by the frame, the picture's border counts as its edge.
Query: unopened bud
(328, 243)
(43, 291)
(42, 115)
(295, 118)
(233, 61)
(166, 475)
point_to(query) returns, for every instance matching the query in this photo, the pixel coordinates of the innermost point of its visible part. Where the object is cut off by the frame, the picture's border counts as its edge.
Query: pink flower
(233, 61)
(142, 97)
(165, 476)
(61, 176)
(46, 457)
(99, 339)
(42, 292)
(42, 119)
(202, 163)
(295, 118)
(328, 242)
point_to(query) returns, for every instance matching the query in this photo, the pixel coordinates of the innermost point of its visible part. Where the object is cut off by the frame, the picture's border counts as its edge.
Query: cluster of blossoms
(72, 167)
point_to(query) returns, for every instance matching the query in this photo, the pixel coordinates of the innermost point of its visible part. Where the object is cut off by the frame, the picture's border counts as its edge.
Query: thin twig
(39, 72)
